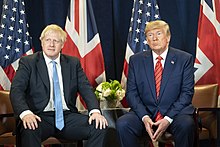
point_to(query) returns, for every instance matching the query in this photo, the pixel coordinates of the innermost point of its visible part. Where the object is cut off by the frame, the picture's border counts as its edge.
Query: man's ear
(168, 39)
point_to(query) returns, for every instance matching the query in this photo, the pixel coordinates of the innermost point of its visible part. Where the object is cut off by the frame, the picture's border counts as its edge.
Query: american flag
(15, 40)
(143, 12)
(83, 40)
(208, 43)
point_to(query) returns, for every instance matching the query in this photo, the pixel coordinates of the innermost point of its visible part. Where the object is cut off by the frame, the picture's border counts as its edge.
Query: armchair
(205, 100)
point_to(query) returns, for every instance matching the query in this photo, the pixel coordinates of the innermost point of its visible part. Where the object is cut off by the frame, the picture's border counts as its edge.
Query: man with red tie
(160, 88)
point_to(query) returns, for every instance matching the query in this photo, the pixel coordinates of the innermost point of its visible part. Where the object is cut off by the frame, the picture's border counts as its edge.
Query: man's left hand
(99, 120)
(161, 125)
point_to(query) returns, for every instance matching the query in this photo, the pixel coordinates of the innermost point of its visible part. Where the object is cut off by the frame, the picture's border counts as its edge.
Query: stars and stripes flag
(83, 40)
(14, 40)
(143, 12)
(208, 43)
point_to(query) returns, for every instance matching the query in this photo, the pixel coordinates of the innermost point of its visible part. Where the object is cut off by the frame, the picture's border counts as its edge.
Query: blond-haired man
(33, 95)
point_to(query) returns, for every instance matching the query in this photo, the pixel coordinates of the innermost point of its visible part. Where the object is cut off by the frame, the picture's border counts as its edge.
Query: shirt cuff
(168, 119)
(94, 110)
(144, 117)
(25, 113)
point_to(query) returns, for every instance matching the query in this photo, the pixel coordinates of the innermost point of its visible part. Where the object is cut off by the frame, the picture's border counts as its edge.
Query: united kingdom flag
(208, 43)
(83, 40)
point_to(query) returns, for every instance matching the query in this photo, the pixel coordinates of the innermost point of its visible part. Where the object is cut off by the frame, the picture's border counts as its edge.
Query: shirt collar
(163, 55)
(48, 60)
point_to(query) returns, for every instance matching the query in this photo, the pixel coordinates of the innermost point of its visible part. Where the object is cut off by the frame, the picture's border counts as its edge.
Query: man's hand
(149, 126)
(30, 121)
(99, 120)
(161, 125)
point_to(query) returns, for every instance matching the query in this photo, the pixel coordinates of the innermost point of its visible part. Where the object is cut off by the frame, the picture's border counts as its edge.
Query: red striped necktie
(158, 76)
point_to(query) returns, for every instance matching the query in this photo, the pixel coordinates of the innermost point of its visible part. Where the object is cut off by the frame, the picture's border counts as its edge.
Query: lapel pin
(172, 62)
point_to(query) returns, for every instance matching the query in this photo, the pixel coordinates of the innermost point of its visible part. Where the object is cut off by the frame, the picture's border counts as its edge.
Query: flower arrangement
(110, 91)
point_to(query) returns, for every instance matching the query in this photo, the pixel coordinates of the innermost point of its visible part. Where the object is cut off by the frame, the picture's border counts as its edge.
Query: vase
(108, 104)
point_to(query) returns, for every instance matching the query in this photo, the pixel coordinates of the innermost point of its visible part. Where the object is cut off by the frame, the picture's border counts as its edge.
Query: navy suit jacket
(30, 89)
(176, 90)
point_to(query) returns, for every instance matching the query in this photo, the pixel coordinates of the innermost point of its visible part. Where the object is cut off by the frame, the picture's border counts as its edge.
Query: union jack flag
(143, 12)
(83, 40)
(15, 40)
(208, 43)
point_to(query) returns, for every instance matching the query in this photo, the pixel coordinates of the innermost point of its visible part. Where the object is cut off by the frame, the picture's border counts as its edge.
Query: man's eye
(56, 41)
(149, 35)
(48, 40)
(159, 33)
(53, 41)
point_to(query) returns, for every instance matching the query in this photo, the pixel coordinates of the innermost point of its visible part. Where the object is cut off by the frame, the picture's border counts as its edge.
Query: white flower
(101, 97)
(120, 94)
(99, 87)
(110, 91)
(107, 92)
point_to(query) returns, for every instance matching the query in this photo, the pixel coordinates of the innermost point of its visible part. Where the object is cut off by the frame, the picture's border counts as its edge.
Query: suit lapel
(65, 69)
(42, 70)
(148, 65)
(170, 63)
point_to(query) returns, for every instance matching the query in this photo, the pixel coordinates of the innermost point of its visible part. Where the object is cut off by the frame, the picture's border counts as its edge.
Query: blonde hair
(56, 28)
(158, 24)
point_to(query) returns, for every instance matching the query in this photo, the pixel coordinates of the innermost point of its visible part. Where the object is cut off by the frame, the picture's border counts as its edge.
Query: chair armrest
(207, 109)
(213, 109)
(7, 115)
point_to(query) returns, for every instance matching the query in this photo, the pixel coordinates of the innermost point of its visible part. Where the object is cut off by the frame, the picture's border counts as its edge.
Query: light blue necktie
(57, 99)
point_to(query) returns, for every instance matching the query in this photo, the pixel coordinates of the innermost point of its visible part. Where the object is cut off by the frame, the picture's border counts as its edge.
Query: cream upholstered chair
(8, 126)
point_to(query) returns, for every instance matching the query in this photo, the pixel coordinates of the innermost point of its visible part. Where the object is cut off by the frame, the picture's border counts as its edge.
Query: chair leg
(79, 143)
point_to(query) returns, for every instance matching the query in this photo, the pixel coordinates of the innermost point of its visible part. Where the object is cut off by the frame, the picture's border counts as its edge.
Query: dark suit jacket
(30, 89)
(176, 90)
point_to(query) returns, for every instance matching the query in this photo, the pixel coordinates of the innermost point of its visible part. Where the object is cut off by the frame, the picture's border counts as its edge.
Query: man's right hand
(149, 127)
(30, 121)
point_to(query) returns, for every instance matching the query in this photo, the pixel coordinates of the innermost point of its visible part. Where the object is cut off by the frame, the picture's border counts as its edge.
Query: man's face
(52, 44)
(158, 40)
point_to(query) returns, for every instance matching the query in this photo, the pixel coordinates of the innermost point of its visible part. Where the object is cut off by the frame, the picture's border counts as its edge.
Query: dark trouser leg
(129, 128)
(30, 138)
(183, 129)
(77, 127)
(33, 138)
(96, 138)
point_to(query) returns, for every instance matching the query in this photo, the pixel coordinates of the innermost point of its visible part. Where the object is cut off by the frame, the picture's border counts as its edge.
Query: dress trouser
(76, 127)
(129, 128)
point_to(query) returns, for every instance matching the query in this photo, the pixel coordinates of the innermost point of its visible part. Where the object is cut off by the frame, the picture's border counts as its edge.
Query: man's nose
(51, 43)
(155, 37)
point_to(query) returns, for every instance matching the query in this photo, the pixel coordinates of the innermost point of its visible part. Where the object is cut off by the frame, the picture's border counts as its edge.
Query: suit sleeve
(19, 86)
